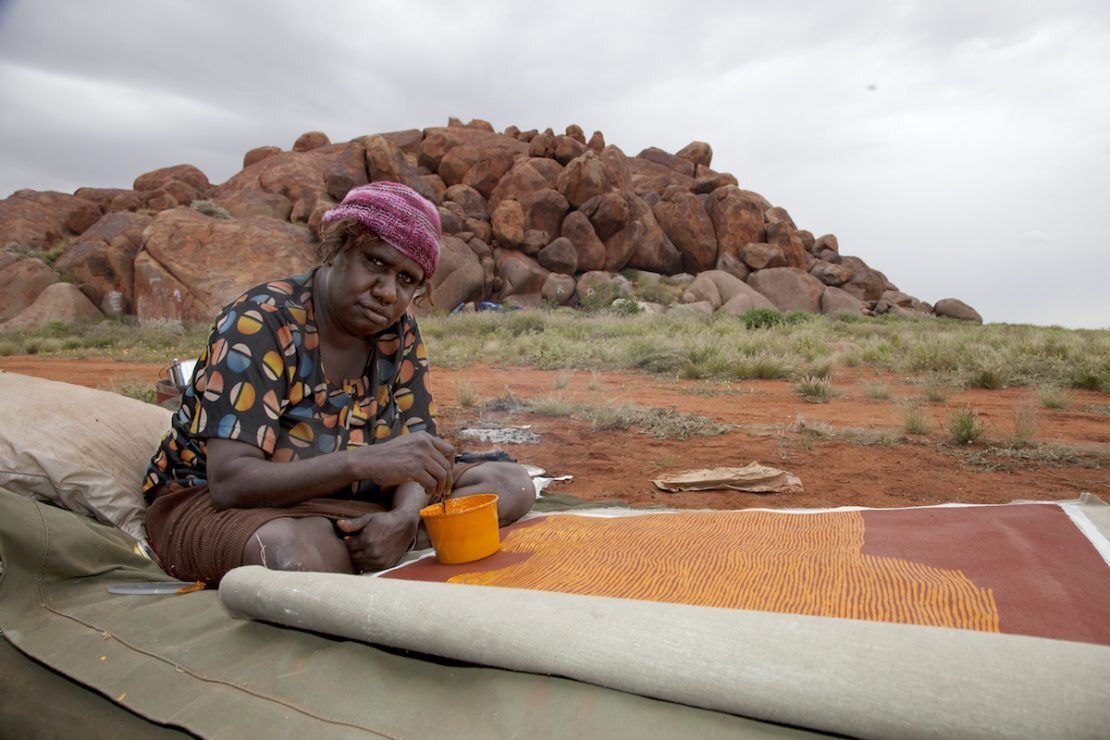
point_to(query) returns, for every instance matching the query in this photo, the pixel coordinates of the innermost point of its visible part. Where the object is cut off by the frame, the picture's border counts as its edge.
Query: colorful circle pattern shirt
(260, 380)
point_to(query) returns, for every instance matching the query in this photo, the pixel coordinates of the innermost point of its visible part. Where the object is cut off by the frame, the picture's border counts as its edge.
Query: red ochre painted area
(1046, 576)
(1015, 569)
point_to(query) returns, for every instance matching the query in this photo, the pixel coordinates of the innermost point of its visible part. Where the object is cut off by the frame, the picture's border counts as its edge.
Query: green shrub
(793, 318)
(762, 318)
(964, 426)
(208, 208)
(626, 307)
(1089, 377)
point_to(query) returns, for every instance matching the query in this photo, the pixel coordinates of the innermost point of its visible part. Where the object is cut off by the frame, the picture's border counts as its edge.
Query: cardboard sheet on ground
(939, 621)
(753, 477)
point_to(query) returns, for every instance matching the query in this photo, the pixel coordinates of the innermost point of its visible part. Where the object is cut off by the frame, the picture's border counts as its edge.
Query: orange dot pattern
(765, 561)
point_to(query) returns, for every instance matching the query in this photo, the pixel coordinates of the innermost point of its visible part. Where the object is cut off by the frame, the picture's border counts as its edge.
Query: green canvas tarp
(117, 665)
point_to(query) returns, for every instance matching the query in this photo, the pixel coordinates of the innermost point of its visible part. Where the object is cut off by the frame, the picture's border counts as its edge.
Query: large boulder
(37, 219)
(789, 289)
(653, 251)
(547, 211)
(865, 283)
(347, 170)
(954, 308)
(508, 223)
(680, 165)
(455, 163)
(697, 152)
(192, 265)
(258, 154)
(522, 183)
(722, 289)
(782, 234)
(737, 218)
(616, 164)
(310, 140)
(589, 249)
(585, 177)
(520, 274)
(688, 226)
(760, 256)
(488, 170)
(706, 182)
(558, 289)
(641, 243)
(459, 277)
(830, 274)
(22, 279)
(298, 177)
(608, 213)
(102, 197)
(58, 303)
(835, 300)
(559, 256)
(437, 142)
(183, 173)
(102, 261)
(745, 301)
(549, 168)
(567, 148)
(471, 201)
(649, 176)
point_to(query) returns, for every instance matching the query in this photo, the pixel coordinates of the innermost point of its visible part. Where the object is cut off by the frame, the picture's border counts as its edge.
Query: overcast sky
(961, 147)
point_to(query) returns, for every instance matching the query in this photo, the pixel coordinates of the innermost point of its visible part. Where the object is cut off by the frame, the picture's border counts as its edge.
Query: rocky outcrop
(102, 262)
(57, 303)
(22, 278)
(191, 265)
(529, 217)
(40, 220)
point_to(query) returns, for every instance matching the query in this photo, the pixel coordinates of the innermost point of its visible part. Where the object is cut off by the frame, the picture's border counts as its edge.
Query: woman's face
(370, 286)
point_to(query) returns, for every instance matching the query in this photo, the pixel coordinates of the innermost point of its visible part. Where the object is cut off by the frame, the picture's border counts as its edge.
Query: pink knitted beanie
(403, 218)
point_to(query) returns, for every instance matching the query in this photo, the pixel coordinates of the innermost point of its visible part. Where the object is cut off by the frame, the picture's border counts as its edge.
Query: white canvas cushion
(80, 448)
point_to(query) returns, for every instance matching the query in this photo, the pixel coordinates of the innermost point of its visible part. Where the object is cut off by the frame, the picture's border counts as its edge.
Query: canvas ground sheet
(929, 622)
(78, 661)
(1024, 569)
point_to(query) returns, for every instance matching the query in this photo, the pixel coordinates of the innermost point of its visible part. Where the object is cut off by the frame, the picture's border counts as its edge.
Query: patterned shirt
(260, 380)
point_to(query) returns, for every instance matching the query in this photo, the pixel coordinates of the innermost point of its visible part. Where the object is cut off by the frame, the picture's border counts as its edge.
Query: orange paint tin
(466, 531)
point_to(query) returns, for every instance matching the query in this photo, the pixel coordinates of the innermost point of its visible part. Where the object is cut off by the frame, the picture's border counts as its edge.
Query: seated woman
(306, 439)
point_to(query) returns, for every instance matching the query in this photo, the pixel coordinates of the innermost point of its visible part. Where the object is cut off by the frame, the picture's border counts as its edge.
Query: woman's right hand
(419, 457)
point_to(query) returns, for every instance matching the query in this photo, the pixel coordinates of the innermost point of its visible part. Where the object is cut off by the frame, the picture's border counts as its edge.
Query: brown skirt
(196, 542)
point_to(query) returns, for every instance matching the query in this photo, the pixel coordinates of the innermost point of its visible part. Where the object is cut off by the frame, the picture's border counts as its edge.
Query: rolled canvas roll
(858, 678)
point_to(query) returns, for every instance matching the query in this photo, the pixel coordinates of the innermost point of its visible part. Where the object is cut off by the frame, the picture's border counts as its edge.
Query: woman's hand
(379, 540)
(418, 457)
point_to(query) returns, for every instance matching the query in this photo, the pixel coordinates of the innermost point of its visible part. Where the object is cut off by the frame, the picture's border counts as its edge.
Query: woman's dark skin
(365, 290)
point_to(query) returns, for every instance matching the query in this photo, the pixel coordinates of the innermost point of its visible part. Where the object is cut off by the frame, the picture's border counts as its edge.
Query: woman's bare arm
(240, 476)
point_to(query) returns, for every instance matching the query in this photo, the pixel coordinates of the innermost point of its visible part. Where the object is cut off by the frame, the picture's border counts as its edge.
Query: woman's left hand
(379, 540)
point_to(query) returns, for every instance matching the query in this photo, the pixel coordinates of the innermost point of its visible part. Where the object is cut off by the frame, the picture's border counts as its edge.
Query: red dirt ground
(834, 472)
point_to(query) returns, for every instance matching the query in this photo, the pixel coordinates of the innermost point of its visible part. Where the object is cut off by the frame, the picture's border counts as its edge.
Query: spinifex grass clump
(1025, 425)
(964, 426)
(876, 391)
(914, 420)
(815, 390)
(1053, 397)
